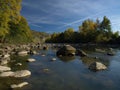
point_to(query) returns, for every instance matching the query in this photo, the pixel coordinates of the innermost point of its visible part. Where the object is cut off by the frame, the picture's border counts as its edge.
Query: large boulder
(96, 66)
(4, 68)
(22, 73)
(66, 50)
(6, 74)
(22, 53)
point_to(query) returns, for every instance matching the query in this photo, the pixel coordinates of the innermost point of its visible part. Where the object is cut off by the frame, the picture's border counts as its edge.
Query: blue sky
(58, 15)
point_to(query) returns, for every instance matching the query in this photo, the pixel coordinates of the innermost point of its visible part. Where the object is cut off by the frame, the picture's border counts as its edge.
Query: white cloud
(35, 25)
(58, 12)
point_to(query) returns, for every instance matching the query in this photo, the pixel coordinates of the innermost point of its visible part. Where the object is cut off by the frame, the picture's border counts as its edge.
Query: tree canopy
(12, 24)
(89, 32)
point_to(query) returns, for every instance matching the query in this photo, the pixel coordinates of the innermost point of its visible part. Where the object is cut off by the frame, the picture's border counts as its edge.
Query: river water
(67, 73)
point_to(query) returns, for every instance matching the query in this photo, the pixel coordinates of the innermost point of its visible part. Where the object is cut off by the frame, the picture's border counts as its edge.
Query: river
(67, 73)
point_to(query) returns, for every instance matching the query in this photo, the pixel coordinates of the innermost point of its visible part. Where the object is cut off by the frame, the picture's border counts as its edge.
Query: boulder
(96, 66)
(22, 73)
(31, 60)
(4, 68)
(81, 53)
(20, 85)
(23, 53)
(6, 74)
(66, 50)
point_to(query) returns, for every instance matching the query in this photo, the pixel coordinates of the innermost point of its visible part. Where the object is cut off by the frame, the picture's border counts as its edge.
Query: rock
(17, 74)
(111, 53)
(4, 68)
(6, 56)
(22, 73)
(100, 50)
(23, 53)
(53, 59)
(81, 53)
(32, 52)
(97, 66)
(19, 85)
(43, 55)
(18, 64)
(66, 50)
(45, 48)
(46, 70)
(3, 62)
(6, 74)
(31, 60)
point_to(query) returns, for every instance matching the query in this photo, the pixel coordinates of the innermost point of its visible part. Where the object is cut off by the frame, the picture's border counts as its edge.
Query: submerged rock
(4, 68)
(97, 66)
(66, 50)
(20, 85)
(53, 59)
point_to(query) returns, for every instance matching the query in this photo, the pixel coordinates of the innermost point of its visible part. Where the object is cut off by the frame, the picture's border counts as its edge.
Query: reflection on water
(88, 60)
(66, 73)
(67, 58)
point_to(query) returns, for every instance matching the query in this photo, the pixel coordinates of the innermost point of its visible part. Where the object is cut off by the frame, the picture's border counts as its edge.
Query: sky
(58, 15)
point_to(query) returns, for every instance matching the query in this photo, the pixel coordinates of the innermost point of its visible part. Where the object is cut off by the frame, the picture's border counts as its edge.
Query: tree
(12, 24)
(20, 30)
(105, 24)
(68, 35)
(105, 27)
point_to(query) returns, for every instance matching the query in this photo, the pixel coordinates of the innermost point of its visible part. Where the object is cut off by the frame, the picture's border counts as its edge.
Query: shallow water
(68, 73)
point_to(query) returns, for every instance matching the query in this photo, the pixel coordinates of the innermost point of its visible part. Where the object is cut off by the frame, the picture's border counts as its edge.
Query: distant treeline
(89, 32)
(39, 37)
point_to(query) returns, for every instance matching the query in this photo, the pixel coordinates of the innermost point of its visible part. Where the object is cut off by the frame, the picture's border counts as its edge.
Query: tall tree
(11, 22)
(105, 24)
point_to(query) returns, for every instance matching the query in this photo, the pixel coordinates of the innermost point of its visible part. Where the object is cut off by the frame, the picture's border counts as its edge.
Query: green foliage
(13, 27)
(89, 32)
(39, 37)
(19, 32)
(105, 24)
